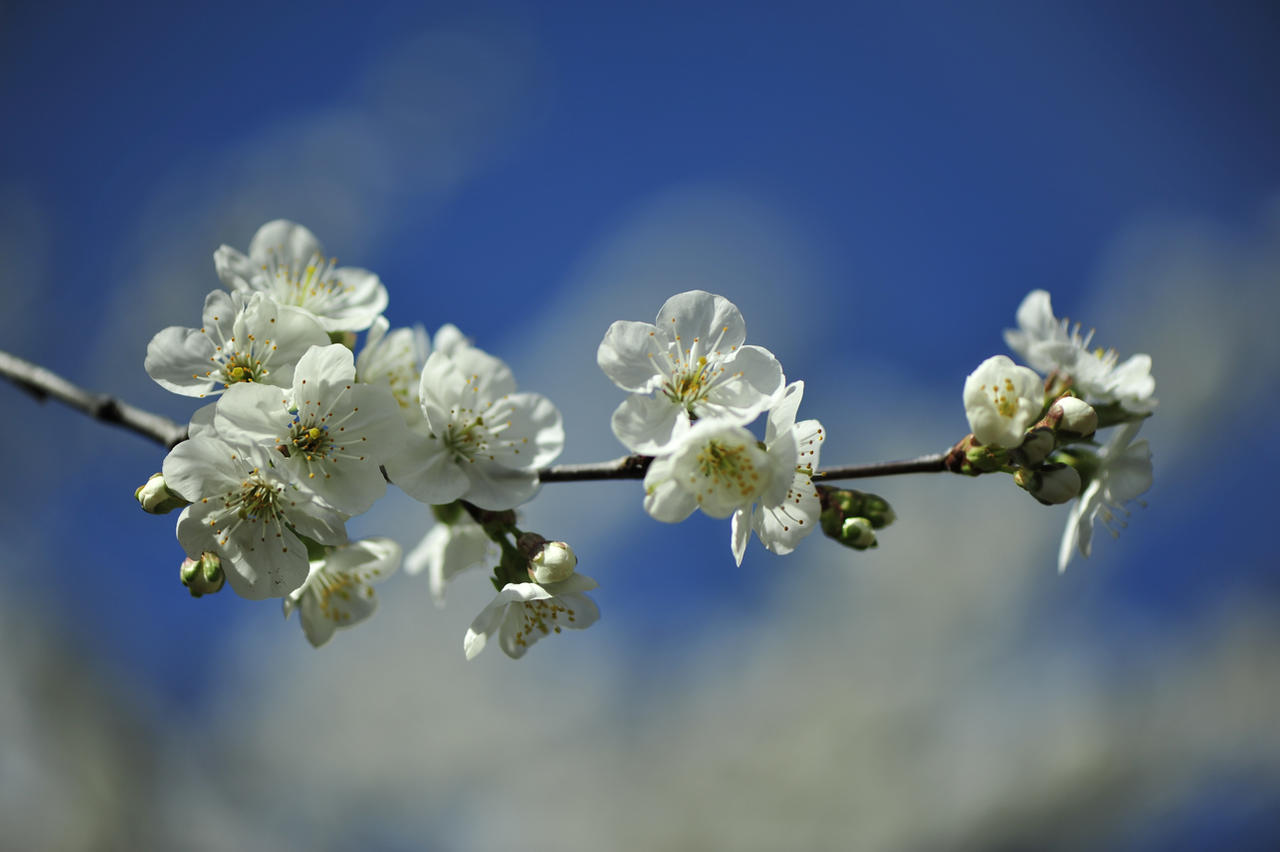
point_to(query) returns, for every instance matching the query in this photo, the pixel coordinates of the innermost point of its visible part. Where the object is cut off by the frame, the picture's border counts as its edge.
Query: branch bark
(43, 384)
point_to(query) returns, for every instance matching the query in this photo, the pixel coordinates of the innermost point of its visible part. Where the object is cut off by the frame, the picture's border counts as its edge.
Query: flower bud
(857, 533)
(155, 497)
(1035, 447)
(203, 576)
(1051, 484)
(1076, 418)
(555, 562)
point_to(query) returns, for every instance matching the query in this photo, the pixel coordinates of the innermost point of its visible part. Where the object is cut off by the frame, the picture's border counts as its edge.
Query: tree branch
(42, 384)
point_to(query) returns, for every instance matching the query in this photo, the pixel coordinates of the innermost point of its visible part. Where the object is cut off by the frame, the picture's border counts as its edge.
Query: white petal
(288, 241)
(664, 499)
(253, 413)
(494, 487)
(627, 355)
(649, 425)
(782, 417)
(739, 534)
(712, 321)
(535, 417)
(780, 527)
(449, 339)
(201, 466)
(756, 387)
(424, 469)
(177, 359)
(235, 270)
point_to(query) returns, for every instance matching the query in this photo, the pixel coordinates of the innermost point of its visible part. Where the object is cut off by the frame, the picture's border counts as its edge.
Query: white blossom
(482, 439)
(330, 430)
(249, 512)
(1001, 400)
(1051, 345)
(287, 262)
(781, 526)
(448, 549)
(690, 364)
(395, 359)
(338, 591)
(522, 613)
(244, 338)
(720, 468)
(1123, 473)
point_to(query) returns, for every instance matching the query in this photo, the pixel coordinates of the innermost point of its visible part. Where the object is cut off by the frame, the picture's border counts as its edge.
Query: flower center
(242, 366)
(256, 501)
(1005, 398)
(467, 439)
(303, 285)
(691, 386)
(543, 616)
(729, 469)
(309, 440)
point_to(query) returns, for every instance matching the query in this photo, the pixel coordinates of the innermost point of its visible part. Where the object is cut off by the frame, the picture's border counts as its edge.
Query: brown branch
(42, 384)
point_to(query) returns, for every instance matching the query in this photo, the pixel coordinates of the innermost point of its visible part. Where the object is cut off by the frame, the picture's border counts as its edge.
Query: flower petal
(649, 425)
(702, 320)
(627, 355)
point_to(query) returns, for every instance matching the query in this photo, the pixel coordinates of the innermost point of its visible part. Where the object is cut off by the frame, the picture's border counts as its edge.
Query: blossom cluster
(695, 385)
(304, 425)
(303, 433)
(1043, 430)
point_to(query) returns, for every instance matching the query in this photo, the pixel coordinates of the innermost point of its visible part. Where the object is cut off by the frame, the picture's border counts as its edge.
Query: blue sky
(877, 186)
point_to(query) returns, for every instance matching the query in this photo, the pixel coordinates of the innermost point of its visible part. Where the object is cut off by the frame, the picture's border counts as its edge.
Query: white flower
(395, 359)
(1001, 401)
(1123, 473)
(338, 591)
(249, 512)
(781, 526)
(245, 338)
(522, 613)
(286, 261)
(485, 442)
(721, 468)
(691, 364)
(1050, 345)
(330, 430)
(448, 549)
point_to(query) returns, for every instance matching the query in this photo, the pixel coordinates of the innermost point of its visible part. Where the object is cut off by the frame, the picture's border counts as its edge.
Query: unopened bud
(1076, 418)
(1035, 447)
(1051, 484)
(858, 534)
(555, 562)
(155, 497)
(203, 576)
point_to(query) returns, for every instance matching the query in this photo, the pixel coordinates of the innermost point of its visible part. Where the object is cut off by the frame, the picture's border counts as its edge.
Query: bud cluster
(852, 517)
(1042, 431)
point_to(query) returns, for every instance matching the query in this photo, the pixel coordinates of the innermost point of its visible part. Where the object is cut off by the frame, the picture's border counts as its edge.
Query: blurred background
(876, 186)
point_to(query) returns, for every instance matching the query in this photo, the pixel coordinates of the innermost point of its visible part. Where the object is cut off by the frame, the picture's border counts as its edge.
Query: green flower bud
(1050, 484)
(202, 576)
(857, 533)
(155, 497)
(850, 517)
